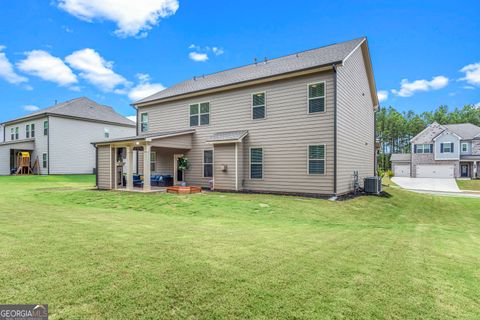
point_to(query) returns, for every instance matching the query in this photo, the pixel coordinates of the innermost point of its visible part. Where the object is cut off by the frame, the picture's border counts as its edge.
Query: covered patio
(469, 166)
(142, 163)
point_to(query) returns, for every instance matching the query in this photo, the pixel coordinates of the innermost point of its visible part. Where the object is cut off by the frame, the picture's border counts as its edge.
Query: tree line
(395, 129)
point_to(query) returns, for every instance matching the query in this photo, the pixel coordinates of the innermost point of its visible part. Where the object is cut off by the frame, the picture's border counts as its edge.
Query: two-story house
(59, 137)
(441, 151)
(302, 123)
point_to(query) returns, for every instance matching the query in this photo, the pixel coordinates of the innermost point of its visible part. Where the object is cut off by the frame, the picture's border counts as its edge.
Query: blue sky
(115, 51)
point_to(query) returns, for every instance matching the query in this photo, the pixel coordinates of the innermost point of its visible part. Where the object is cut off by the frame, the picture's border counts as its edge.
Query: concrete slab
(427, 184)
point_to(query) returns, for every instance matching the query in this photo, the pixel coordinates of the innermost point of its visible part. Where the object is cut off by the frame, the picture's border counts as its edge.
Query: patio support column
(147, 149)
(474, 174)
(129, 168)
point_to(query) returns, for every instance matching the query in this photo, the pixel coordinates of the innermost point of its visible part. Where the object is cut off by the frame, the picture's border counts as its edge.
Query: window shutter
(451, 144)
(414, 148)
(441, 147)
(431, 148)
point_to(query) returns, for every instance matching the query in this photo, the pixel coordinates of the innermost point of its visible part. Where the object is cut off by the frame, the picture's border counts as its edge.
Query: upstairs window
(144, 122)
(45, 128)
(256, 163)
(446, 147)
(316, 159)
(199, 114)
(106, 133)
(258, 105)
(12, 134)
(17, 133)
(316, 97)
(32, 130)
(208, 163)
(423, 148)
(27, 131)
(464, 147)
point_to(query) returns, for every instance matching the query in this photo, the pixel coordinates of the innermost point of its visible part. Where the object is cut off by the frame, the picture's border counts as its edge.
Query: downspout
(334, 130)
(96, 166)
(48, 145)
(375, 110)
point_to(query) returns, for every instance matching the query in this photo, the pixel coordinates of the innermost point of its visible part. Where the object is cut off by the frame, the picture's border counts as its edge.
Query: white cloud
(468, 87)
(31, 108)
(472, 74)
(43, 65)
(477, 105)
(144, 88)
(199, 57)
(133, 17)
(6, 70)
(408, 89)
(217, 51)
(132, 118)
(95, 69)
(382, 95)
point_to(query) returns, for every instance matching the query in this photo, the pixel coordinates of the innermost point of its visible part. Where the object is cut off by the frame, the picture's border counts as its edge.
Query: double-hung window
(17, 133)
(144, 122)
(44, 160)
(464, 147)
(258, 105)
(256, 163)
(153, 161)
(45, 128)
(423, 148)
(316, 97)
(446, 147)
(32, 130)
(316, 159)
(208, 163)
(27, 131)
(106, 133)
(12, 134)
(199, 114)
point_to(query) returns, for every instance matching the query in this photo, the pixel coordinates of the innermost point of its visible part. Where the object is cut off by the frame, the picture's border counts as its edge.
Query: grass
(472, 185)
(111, 255)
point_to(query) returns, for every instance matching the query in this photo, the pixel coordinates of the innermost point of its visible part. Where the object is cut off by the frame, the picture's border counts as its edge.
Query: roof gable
(315, 58)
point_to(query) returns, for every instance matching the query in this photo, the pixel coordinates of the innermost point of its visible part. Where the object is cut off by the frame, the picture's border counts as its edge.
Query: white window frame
(324, 159)
(250, 163)
(324, 97)
(17, 133)
(142, 122)
(32, 130)
(464, 144)
(204, 163)
(106, 133)
(46, 128)
(153, 161)
(44, 160)
(12, 134)
(423, 148)
(27, 131)
(264, 105)
(200, 113)
(444, 143)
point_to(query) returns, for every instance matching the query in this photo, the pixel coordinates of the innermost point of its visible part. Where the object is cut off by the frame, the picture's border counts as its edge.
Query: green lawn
(111, 255)
(473, 185)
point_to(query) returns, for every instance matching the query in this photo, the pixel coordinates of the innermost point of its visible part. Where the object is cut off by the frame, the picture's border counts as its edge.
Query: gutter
(334, 130)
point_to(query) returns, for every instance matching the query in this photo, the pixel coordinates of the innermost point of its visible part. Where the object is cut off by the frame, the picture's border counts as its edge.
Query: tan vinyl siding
(104, 169)
(355, 123)
(285, 133)
(224, 155)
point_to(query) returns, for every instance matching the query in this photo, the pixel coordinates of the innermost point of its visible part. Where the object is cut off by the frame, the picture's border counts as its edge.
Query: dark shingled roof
(466, 131)
(228, 136)
(401, 157)
(82, 108)
(322, 56)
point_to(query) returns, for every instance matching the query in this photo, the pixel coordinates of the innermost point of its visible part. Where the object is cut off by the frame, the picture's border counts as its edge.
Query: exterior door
(464, 170)
(178, 175)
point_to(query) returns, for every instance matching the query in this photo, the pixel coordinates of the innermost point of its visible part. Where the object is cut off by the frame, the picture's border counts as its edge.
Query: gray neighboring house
(441, 151)
(302, 123)
(61, 135)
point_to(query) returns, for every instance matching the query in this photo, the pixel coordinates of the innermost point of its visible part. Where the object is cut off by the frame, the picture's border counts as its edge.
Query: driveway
(427, 184)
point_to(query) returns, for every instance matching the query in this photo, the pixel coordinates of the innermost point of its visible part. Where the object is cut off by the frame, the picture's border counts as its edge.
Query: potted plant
(182, 166)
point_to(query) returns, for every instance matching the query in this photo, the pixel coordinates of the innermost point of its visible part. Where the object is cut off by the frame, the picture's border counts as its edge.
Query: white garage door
(401, 170)
(435, 171)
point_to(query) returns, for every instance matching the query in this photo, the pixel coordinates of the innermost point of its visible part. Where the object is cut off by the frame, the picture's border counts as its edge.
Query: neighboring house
(441, 151)
(60, 136)
(302, 123)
